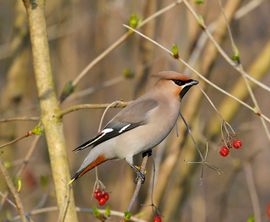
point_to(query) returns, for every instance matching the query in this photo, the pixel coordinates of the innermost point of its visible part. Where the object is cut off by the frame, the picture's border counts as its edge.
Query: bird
(140, 126)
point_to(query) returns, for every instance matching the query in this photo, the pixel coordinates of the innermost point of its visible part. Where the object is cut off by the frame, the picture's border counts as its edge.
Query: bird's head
(177, 82)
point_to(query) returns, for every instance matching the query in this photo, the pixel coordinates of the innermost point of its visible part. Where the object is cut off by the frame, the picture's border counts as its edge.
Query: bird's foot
(140, 176)
(147, 153)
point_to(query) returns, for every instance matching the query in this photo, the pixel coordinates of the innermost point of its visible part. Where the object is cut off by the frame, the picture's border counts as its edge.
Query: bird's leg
(140, 175)
(147, 153)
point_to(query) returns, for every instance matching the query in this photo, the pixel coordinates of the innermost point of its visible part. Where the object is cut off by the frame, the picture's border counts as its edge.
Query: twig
(138, 186)
(92, 89)
(120, 104)
(25, 161)
(78, 209)
(201, 76)
(221, 51)
(13, 191)
(16, 140)
(251, 93)
(28, 156)
(247, 8)
(4, 196)
(119, 41)
(23, 118)
(252, 192)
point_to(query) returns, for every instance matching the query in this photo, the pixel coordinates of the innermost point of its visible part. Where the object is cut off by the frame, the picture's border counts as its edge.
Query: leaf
(201, 21)
(107, 211)
(175, 51)
(7, 164)
(251, 219)
(127, 215)
(19, 184)
(236, 56)
(199, 2)
(128, 73)
(44, 181)
(68, 89)
(134, 21)
(96, 212)
(38, 130)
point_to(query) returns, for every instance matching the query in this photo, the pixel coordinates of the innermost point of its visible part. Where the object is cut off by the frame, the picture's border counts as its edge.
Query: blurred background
(78, 31)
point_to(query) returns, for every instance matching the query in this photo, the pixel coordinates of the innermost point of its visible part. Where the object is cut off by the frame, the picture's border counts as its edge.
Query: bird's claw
(140, 177)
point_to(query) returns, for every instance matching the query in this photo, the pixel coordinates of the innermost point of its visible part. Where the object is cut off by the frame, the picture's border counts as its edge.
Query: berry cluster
(157, 218)
(225, 150)
(101, 196)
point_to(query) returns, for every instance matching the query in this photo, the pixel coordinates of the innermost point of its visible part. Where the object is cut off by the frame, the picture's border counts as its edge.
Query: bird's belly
(141, 139)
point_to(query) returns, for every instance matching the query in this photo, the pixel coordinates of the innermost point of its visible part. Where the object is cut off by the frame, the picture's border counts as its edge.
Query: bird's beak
(187, 86)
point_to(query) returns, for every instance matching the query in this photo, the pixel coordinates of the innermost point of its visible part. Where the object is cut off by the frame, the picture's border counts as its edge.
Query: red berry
(157, 218)
(102, 201)
(224, 151)
(98, 194)
(106, 196)
(268, 210)
(237, 144)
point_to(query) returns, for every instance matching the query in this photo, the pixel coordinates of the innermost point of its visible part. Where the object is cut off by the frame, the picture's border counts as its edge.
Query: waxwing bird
(140, 126)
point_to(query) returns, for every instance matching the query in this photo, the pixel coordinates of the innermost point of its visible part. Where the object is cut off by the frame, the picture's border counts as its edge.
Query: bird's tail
(86, 167)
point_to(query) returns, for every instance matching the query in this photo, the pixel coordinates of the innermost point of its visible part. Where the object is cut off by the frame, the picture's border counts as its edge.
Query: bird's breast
(159, 125)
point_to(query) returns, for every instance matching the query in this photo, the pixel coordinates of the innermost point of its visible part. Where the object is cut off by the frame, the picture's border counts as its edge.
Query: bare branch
(23, 118)
(13, 191)
(16, 140)
(118, 104)
(252, 192)
(138, 186)
(78, 209)
(203, 77)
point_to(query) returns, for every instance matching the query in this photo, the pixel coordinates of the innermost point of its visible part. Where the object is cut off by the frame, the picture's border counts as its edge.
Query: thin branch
(251, 93)
(28, 156)
(258, 113)
(13, 191)
(25, 161)
(247, 8)
(74, 108)
(78, 209)
(119, 41)
(23, 118)
(4, 196)
(138, 186)
(252, 192)
(92, 89)
(16, 140)
(221, 51)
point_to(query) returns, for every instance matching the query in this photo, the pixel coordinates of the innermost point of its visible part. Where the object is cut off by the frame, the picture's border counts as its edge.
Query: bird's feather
(134, 115)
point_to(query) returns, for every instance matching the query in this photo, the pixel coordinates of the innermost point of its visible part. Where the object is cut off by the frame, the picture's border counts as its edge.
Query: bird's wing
(134, 115)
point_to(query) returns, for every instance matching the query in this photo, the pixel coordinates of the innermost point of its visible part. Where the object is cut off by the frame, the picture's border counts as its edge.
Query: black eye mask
(189, 83)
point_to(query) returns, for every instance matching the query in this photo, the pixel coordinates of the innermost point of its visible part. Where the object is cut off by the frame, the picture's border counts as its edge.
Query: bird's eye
(179, 82)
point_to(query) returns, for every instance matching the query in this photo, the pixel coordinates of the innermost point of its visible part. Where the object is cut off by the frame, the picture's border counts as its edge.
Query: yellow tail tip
(71, 181)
